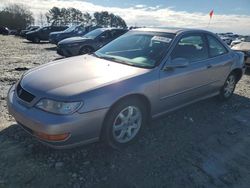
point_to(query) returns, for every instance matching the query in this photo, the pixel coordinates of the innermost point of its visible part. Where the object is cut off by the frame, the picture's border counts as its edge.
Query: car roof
(110, 28)
(169, 30)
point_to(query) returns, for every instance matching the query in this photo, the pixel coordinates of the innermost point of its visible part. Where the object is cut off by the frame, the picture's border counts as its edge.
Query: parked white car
(237, 41)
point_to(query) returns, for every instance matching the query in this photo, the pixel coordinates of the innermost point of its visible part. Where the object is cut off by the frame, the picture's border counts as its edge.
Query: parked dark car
(111, 94)
(88, 43)
(28, 29)
(4, 30)
(73, 31)
(245, 48)
(13, 32)
(43, 33)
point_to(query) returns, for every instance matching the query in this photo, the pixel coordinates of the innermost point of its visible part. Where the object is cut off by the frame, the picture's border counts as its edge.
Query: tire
(228, 88)
(85, 50)
(36, 40)
(118, 133)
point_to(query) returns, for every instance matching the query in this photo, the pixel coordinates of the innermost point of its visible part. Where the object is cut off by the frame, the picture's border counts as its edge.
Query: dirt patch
(206, 144)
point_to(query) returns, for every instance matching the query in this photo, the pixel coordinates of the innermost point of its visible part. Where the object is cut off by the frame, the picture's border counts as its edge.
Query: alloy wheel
(229, 86)
(127, 124)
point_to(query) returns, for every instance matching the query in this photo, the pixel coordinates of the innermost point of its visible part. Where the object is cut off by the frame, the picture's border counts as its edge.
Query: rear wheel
(227, 90)
(124, 123)
(86, 50)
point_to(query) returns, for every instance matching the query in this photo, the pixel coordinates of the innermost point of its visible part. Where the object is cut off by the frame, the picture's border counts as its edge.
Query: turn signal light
(48, 137)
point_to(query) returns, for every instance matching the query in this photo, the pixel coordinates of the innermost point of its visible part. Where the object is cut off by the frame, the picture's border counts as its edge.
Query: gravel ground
(206, 144)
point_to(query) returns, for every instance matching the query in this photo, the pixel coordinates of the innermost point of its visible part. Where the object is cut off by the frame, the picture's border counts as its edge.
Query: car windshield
(72, 28)
(140, 49)
(95, 33)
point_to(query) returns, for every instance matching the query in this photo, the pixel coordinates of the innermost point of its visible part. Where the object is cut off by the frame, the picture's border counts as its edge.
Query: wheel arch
(86, 46)
(238, 72)
(137, 96)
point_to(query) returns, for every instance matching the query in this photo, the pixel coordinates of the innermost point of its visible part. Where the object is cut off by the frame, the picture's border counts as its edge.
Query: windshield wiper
(115, 60)
(119, 61)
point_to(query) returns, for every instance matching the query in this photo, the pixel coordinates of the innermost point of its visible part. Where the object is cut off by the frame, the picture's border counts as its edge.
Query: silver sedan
(111, 94)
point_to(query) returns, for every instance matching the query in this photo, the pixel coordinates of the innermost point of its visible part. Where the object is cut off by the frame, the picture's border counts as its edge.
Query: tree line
(16, 16)
(66, 16)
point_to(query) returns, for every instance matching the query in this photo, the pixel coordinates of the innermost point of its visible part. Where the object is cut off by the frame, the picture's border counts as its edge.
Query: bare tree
(41, 19)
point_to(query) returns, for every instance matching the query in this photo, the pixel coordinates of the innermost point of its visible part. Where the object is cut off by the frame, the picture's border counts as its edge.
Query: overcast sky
(229, 15)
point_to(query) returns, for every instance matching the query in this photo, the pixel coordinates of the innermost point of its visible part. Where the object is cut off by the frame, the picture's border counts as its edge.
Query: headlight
(58, 107)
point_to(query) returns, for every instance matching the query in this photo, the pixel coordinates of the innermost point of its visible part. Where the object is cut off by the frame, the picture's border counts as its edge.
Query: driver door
(44, 34)
(181, 85)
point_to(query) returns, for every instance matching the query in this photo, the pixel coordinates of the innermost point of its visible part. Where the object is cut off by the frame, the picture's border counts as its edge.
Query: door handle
(209, 66)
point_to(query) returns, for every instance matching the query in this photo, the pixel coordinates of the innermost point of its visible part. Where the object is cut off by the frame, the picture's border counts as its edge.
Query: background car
(245, 48)
(88, 43)
(13, 32)
(28, 29)
(111, 94)
(4, 30)
(42, 34)
(228, 37)
(73, 31)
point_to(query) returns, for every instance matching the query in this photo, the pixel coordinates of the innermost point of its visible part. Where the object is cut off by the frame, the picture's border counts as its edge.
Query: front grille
(23, 94)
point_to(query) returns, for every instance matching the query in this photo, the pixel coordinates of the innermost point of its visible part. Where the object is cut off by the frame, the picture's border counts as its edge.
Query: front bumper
(30, 38)
(83, 128)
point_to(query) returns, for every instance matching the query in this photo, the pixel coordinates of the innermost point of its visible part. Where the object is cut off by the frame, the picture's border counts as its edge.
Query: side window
(215, 47)
(45, 29)
(80, 29)
(191, 47)
(116, 33)
(105, 35)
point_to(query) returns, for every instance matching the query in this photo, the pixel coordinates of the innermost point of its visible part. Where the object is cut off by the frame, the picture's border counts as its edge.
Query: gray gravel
(206, 144)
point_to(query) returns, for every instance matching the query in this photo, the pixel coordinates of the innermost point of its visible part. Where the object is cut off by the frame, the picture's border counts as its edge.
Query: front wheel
(124, 123)
(85, 50)
(228, 88)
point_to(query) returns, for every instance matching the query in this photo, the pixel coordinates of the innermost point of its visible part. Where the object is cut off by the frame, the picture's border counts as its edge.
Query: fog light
(48, 137)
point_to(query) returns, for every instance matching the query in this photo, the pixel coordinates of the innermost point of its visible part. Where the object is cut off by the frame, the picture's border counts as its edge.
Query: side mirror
(177, 63)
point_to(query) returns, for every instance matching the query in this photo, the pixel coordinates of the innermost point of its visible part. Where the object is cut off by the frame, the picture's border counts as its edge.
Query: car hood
(243, 46)
(70, 77)
(73, 40)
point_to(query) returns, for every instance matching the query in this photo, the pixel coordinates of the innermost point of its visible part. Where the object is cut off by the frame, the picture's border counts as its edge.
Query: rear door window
(216, 48)
(116, 33)
(105, 35)
(191, 47)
